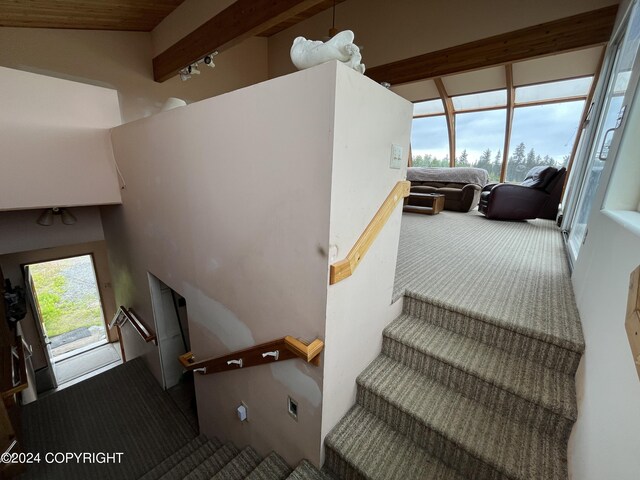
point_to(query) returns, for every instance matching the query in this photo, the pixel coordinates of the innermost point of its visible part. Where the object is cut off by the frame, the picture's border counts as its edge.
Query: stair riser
(339, 467)
(507, 403)
(432, 441)
(547, 354)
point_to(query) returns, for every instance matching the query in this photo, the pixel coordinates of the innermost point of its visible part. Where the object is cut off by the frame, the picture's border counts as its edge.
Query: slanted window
(480, 139)
(542, 135)
(430, 142)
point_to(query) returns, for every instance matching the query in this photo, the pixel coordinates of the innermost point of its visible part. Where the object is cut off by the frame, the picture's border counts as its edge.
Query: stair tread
(240, 466)
(306, 471)
(380, 452)
(175, 458)
(548, 388)
(214, 463)
(515, 449)
(273, 467)
(187, 464)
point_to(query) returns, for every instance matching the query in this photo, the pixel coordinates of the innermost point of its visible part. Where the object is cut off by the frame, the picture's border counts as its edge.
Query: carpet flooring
(121, 410)
(476, 376)
(512, 274)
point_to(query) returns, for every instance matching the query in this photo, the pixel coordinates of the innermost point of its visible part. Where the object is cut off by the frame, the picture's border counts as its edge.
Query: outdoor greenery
(61, 310)
(519, 163)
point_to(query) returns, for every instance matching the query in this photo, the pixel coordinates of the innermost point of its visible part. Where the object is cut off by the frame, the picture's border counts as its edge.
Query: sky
(549, 129)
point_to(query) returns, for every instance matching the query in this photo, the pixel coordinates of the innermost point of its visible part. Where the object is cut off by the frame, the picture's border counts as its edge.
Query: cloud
(548, 129)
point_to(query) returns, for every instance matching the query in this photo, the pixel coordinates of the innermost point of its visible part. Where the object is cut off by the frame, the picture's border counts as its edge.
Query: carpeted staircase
(453, 396)
(203, 459)
(450, 397)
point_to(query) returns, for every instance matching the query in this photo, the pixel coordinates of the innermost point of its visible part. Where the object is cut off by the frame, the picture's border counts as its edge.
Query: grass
(62, 312)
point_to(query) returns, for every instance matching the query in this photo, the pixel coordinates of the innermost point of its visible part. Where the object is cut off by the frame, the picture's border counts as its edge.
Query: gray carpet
(512, 274)
(121, 410)
(476, 377)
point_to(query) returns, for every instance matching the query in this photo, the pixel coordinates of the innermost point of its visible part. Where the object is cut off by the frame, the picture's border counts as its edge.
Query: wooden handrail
(143, 330)
(344, 268)
(286, 348)
(14, 361)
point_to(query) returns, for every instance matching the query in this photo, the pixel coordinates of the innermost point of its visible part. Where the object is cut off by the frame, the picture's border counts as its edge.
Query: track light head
(184, 74)
(208, 60)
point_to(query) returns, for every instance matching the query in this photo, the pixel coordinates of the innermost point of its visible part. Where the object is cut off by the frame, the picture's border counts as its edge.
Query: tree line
(519, 163)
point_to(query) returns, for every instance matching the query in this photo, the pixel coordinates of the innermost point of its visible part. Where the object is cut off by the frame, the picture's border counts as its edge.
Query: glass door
(610, 119)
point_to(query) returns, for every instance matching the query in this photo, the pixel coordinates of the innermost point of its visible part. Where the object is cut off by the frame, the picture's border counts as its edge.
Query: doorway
(172, 330)
(68, 313)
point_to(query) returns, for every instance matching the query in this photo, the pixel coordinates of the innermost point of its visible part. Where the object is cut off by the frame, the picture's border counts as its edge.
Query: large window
(544, 122)
(430, 142)
(480, 139)
(542, 135)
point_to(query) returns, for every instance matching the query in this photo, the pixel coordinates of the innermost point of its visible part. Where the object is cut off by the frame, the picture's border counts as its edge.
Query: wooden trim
(545, 82)
(450, 112)
(511, 95)
(570, 33)
(344, 268)
(429, 115)
(537, 103)
(239, 21)
(287, 348)
(143, 330)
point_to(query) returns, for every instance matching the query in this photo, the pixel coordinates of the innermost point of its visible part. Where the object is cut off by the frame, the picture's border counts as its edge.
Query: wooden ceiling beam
(241, 20)
(571, 33)
(128, 15)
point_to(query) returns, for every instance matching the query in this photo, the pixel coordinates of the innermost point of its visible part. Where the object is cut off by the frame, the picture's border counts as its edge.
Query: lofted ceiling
(128, 15)
(132, 15)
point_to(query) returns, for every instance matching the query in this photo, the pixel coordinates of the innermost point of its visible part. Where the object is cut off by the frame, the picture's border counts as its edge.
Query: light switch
(396, 157)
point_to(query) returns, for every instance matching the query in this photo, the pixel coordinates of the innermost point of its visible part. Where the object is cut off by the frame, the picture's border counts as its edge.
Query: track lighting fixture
(46, 218)
(208, 59)
(186, 72)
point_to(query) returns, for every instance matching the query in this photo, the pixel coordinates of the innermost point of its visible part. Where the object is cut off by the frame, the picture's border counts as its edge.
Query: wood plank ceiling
(130, 15)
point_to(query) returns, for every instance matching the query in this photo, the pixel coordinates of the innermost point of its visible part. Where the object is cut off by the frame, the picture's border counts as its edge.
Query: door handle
(604, 150)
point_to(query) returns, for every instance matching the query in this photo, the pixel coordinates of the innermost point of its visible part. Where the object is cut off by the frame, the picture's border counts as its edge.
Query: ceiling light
(184, 74)
(208, 59)
(47, 216)
(67, 217)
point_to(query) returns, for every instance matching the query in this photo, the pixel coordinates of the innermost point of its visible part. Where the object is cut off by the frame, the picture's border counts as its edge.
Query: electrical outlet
(292, 408)
(243, 412)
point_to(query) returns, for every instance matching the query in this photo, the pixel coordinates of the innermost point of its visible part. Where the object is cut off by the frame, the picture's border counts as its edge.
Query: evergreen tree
(485, 160)
(516, 166)
(463, 160)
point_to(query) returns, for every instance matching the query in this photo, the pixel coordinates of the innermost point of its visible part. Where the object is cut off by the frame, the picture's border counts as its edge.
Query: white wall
(53, 133)
(230, 208)
(391, 31)
(359, 307)
(604, 443)
(122, 61)
(239, 226)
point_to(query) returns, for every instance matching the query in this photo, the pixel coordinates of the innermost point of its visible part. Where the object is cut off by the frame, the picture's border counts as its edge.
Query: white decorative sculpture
(309, 53)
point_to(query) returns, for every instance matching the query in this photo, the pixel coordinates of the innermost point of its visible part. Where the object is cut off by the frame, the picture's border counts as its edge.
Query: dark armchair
(538, 196)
